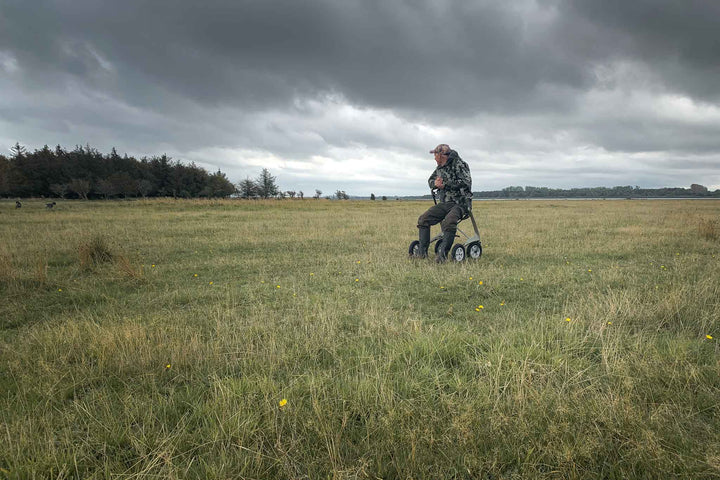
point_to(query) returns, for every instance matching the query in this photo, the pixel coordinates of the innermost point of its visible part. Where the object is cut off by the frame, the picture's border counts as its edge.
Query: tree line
(626, 191)
(86, 173)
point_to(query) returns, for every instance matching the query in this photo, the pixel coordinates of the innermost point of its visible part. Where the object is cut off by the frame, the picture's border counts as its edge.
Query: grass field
(294, 339)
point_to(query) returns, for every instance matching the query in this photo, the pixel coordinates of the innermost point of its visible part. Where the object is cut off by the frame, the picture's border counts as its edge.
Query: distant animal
(50, 205)
(18, 204)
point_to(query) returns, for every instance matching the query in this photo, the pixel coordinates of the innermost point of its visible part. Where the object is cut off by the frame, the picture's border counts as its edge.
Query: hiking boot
(424, 236)
(446, 246)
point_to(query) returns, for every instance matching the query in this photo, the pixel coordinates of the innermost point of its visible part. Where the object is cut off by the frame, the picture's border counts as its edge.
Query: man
(454, 184)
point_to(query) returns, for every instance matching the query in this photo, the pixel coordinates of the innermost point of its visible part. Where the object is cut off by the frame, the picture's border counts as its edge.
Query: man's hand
(439, 182)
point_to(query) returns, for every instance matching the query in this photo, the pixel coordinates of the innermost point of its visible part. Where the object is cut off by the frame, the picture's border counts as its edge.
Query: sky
(352, 94)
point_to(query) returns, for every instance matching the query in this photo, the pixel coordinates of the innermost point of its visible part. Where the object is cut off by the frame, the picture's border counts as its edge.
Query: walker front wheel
(458, 253)
(474, 250)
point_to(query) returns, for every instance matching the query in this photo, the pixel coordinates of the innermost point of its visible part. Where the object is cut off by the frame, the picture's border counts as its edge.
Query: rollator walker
(472, 247)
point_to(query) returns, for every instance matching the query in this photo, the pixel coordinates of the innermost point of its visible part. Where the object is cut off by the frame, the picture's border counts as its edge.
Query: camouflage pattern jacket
(456, 179)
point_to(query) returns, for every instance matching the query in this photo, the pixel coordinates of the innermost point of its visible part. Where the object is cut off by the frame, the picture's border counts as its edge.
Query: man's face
(440, 159)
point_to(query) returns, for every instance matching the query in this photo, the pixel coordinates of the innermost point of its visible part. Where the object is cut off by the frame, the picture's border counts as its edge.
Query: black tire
(474, 250)
(414, 249)
(437, 246)
(457, 253)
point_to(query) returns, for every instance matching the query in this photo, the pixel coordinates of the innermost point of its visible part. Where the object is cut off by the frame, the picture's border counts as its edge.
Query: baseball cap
(443, 148)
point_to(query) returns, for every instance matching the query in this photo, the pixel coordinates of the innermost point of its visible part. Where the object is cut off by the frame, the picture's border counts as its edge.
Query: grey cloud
(427, 57)
(423, 56)
(506, 79)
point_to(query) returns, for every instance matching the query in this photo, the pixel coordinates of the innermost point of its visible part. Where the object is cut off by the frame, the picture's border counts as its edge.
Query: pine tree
(266, 184)
(18, 150)
(247, 188)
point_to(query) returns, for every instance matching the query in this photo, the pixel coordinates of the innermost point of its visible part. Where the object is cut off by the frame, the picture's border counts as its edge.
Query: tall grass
(591, 356)
(708, 228)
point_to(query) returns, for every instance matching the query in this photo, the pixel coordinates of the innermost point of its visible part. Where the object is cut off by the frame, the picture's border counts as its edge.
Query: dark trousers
(449, 213)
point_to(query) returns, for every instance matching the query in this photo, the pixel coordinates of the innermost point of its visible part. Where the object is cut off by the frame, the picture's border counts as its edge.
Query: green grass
(389, 367)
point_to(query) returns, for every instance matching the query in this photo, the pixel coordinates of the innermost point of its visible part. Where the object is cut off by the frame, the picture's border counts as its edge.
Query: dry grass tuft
(7, 270)
(708, 228)
(127, 268)
(94, 252)
(41, 269)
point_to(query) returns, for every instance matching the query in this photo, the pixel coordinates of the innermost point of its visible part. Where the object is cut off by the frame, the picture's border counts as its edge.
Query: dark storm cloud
(678, 39)
(293, 80)
(462, 57)
(416, 55)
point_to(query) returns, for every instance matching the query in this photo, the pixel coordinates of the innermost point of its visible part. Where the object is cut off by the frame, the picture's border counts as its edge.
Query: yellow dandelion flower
(262, 281)
(480, 307)
(521, 279)
(210, 283)
(442, 288)
(480, 282)
(502, 304)
(59, 289)
(709, 337)
(312, 274)
(567, 319)
(357, 279)
(609, 323)
(195, 275)
(358, 261)
(282, 402)
(153, 265)
(167, 367)
(470, 278)
(277, 286)
(589, 269)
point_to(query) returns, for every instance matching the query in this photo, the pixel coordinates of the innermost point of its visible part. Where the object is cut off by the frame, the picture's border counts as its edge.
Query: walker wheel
(474, 250)
(458, 253)
(414, 249)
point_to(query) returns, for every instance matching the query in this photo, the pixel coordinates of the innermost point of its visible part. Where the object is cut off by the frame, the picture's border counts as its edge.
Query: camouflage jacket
(456, 179)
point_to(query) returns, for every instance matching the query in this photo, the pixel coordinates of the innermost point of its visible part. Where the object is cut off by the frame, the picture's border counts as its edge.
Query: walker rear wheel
(414, 249)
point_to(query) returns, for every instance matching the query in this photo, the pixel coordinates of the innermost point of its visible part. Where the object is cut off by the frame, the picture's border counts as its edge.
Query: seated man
(453, 181)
